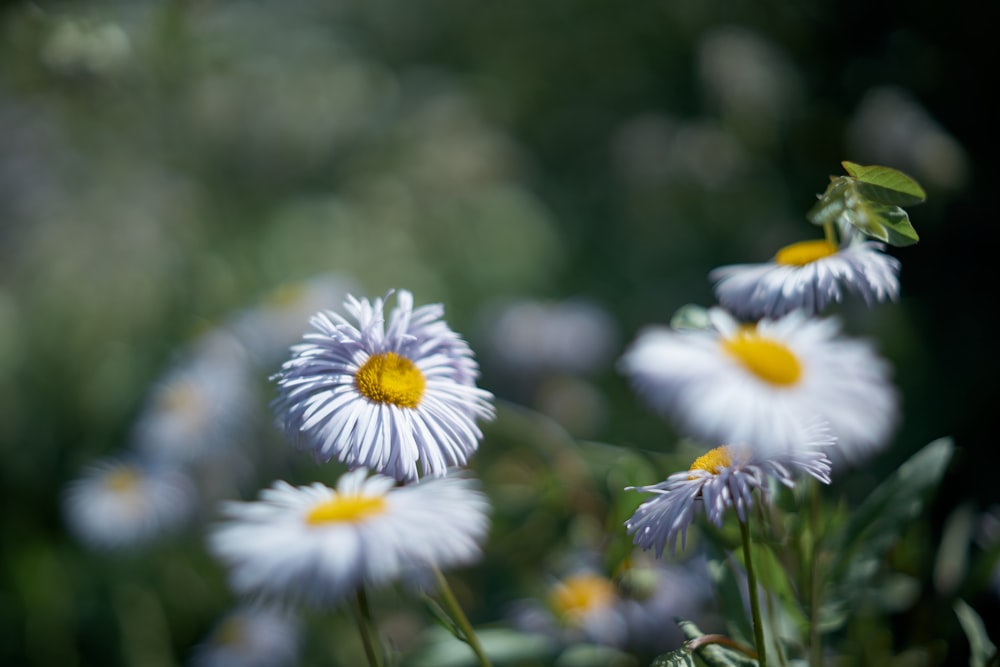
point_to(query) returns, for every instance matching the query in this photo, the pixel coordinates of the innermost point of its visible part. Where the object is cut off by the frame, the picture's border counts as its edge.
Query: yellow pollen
(122, 480)
(770, 360)
(581, 593)
(805, 252)
(391, 378)
(346, 509)
(713, 461)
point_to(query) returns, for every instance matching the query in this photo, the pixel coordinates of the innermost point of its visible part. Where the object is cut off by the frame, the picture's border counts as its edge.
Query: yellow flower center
(713, 461)
(391, 378)
(346, 509)
(770, 360)
(581, 593)
(122, 481)
(805, 252)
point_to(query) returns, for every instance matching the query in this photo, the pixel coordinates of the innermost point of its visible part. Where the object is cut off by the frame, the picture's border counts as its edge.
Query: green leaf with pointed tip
(883, 515)
(868, 208)
(899, 188)
(982, 649)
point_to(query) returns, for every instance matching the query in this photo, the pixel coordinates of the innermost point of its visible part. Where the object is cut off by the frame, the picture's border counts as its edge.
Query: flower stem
(815, 642)
(829, 233)
(365, 625)
(758, 628)
(457, 615)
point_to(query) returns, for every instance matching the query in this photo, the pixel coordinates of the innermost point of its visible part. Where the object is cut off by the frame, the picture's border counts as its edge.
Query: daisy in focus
(808, 275)
(763, 384)
(320, 545)
(384, 395)
(124, 503)
(723, 478)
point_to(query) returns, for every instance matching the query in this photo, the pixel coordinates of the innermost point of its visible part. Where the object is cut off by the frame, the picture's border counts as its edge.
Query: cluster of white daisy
(773, 387)
(394, 398)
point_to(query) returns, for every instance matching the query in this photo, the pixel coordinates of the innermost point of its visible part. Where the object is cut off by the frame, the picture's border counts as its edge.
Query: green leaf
(871, 200)
(983, 651)
(680, 658)
(880, 519)
(905, 190)
(714, 655)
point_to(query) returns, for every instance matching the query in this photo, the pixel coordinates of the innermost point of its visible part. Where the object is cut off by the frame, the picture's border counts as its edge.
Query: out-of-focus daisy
(723, 478)
(267, 329)
(574, 336)
(656, 593)
(808, 275)
(318, 545)
(582, 607)
(253, 636)
(202, 407)
(385, 396)
(126, 503)
(764, 384)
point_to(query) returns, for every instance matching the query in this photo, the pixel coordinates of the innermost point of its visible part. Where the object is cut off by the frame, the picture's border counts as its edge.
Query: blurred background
(187, 181)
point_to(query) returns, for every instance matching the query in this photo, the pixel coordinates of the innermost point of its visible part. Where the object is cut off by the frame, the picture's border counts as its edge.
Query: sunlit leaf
(905, 191)
(982, 651)
(870, 199)
(680, 658)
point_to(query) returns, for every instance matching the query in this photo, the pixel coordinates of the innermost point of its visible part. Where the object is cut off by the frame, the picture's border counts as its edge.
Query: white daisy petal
(723, 478)
(390, 395)
(318, 545)
(808, 276)
(764, 385)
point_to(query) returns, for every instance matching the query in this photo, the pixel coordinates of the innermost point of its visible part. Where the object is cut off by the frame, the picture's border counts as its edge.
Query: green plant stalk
(758, 627)
(365, 625)
(815, 645)
(829, 233)
(458, 615)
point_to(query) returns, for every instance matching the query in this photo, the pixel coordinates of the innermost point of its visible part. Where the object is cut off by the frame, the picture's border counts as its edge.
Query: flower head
(318, 545)
(807, 275)
(723, 478)
(763, 385)
(127, 503)
(384, 395)
(253, 636)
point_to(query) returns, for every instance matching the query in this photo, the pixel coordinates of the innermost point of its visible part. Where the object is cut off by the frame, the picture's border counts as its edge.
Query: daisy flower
(255, 636)
(808, 275)
(383, 396)
(319, 545)
(723, 478)
(202, 407)
(119, 503)
(763, 384)
(582, 607)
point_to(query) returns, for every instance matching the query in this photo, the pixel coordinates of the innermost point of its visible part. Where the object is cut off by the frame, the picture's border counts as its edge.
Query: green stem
(829, 232)
(365, 626)
(815, 645)
(758, 627)
(455, 611)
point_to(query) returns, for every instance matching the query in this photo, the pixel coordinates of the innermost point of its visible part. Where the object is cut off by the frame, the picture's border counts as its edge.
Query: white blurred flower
(252, 636)
(269, 328)
(384, 395)
(202, 407)
(807, 275)
(319, 545)
(763, 385)
(572, 336)
(127, 503)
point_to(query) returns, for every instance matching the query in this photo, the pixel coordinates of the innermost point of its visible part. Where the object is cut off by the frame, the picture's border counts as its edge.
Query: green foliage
(870, 199)
(983, 651)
